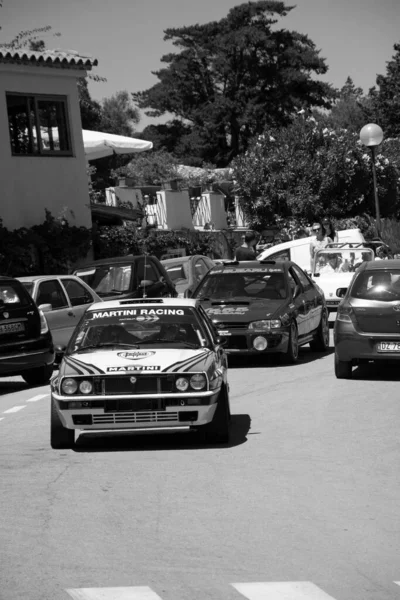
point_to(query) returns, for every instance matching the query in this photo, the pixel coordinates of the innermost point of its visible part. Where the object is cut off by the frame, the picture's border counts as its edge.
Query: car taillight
(43, 323)
(346, 314)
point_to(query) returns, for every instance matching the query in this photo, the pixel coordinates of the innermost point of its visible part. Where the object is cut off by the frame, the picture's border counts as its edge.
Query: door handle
(70, 313)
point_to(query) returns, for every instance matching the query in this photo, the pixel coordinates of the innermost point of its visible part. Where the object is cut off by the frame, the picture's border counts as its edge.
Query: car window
(291, 281)
(177, 272)
(51, 292)
(281, 255)
(302, 277)
(108, 280)
(383, 285)
(77, 293)
(200, 269)
(14, 294)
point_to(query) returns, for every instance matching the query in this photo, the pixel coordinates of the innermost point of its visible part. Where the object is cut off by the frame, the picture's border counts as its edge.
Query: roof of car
(6, 278)
(381, 265)
(248, 264)
(46, 277)
(177, 260)
(128, 258)
(145, 303)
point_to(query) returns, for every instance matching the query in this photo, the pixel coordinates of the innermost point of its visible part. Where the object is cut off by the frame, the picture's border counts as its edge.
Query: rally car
(334, 267)
(151, 364)
(265, 307)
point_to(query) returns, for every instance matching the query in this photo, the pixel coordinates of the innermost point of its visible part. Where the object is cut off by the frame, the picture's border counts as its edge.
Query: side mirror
(221, 341)
(45, 307)
(59, 351)
(341, 292)
(316, 274)
(145, 283)
(187, 293)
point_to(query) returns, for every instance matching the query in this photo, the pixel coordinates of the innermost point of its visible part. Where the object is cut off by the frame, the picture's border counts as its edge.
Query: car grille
(144, 384)
(135, 417)
(236, 342)
(231, 325)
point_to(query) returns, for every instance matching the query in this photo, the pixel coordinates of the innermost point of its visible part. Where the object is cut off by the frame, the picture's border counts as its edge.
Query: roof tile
(48, 58)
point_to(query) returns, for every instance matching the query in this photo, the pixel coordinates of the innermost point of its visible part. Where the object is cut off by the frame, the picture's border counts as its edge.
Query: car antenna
(145, 272)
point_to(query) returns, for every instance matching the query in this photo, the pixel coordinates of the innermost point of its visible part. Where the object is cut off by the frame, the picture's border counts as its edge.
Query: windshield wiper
(106, 345)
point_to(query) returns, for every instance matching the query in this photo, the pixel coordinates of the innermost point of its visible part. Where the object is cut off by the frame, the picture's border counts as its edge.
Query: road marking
(13, 409)
(1, 418)
(36, 398)
(118, 593)
(281, 590)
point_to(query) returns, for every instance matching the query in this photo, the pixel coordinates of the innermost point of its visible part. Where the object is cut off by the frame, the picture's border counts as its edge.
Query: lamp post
(371, 135)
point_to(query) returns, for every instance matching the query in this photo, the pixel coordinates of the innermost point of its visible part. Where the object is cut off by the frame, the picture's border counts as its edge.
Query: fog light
(260, 343)
(74, 405)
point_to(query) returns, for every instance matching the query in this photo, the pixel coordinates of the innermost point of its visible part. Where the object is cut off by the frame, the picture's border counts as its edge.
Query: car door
(50, 291)
(79, 298)
(313, 304)
(299, 301)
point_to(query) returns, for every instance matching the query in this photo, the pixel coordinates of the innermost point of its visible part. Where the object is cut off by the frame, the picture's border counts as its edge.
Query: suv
(26, 345)
(128, 277)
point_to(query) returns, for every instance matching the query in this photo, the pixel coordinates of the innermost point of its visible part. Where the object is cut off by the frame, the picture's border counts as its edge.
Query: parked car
(367, 326)
(187, 271)
(150, 365)
(63, 299)
(264, 307)
(26, 345)
(128, 277)
(334, 267)
(298, 251)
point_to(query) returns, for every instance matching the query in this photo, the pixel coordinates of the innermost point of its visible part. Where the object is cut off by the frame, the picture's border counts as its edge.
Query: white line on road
(13, 409)
(281, 590)
(1, 418)
(119, 593)
(36, 398)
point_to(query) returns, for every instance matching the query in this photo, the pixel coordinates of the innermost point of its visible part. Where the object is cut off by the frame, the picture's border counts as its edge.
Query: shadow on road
(378, 371)
(276, 360)
(122, 442)
(10, 387)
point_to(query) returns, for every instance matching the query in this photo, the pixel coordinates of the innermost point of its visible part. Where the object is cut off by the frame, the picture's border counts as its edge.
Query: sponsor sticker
(136, 354)
(133, 368)
(138, 312)
(227, 310)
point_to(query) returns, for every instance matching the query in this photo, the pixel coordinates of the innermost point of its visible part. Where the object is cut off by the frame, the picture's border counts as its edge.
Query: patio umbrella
(98, 144)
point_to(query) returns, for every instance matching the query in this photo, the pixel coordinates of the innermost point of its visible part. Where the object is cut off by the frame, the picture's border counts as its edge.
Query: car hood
(330, 282)
(244, 311)
(128, 361)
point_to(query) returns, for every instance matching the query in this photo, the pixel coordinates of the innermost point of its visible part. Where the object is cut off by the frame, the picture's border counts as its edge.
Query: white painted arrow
(118, 593)
(282, 590)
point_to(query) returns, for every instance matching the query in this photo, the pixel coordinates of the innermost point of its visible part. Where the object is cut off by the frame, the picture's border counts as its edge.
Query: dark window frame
(32, 101)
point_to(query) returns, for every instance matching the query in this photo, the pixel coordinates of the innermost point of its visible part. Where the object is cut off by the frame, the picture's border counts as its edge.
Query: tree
(91, 110)
(386, 99)
(307, 170)
(235, 76)
(118, 115)
(350, 110)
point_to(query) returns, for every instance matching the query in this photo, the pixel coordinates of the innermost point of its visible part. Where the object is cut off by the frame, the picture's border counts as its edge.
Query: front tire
(343, 369)
(292, 353)
(218, 431)
(320, 343)
(38, 376)
(61, 438)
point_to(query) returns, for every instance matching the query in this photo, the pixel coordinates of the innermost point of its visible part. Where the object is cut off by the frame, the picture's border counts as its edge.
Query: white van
(299, 250)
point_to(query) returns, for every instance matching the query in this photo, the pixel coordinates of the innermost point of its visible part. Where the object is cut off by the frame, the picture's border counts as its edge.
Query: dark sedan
(262, 307)
(367, 326)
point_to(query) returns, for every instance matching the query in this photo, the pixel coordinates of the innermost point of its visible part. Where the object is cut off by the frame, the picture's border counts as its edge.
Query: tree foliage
(351, 109)
(233, 77)
(386, 99)
(307, 170)
(118, 114)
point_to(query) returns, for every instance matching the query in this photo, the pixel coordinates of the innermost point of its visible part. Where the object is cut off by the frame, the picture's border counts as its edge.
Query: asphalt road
(304, 504)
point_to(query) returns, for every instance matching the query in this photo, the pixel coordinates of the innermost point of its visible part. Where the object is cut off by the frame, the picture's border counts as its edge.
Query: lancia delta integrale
(367, 327)
(142, 365)
(265, 307)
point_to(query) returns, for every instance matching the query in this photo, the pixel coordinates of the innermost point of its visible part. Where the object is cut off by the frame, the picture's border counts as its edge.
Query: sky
(356, 37)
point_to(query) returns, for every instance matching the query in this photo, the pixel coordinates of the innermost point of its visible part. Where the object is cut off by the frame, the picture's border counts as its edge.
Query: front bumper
(353, 344)
(240, 341)
(169, 412)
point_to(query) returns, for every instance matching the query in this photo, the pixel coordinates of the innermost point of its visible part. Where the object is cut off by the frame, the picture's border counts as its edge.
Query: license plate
(389, 347)
(224, 332)
(12, 327)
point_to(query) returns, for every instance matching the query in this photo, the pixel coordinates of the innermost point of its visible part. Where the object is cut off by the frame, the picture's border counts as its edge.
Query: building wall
(31, 184)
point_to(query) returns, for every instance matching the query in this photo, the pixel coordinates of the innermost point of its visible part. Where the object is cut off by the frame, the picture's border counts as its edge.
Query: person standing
(247, 250)
(320, 240)
(330, 229)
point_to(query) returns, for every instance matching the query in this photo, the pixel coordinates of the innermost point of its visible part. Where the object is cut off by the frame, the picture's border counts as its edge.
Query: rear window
(13, 294)
(381, 285)
(177, 271)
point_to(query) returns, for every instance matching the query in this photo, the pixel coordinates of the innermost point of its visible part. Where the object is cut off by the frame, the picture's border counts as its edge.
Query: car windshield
(137, 327)
(177, 271)
(243, 283)
(107, 280)
(382, 284)
(341, 260)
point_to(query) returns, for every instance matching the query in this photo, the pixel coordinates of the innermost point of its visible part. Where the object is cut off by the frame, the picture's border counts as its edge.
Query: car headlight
(265, 324)
(69, 386)
(198, 381)
(86, 387)
(182, 384)
(43, 323)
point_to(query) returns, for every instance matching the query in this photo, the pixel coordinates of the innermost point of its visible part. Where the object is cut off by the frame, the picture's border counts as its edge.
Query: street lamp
(371, 135)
